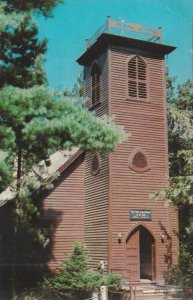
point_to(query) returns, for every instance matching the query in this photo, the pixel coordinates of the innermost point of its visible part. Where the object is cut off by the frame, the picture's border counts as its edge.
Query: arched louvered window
(137, 79)
(95, 84)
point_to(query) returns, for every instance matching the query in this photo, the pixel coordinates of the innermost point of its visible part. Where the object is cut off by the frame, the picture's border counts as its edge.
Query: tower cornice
(106, 40)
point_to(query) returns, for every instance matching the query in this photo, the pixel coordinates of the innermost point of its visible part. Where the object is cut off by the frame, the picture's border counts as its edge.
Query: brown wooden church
(103, 199)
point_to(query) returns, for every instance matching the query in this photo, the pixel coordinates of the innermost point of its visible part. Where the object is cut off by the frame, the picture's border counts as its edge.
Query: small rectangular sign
(140, 214)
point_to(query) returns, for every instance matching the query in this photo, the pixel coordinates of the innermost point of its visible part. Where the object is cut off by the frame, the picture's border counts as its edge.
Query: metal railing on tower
(126, 29)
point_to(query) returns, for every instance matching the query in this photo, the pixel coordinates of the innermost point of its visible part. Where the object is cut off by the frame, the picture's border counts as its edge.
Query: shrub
(182, 274)
(74, 280)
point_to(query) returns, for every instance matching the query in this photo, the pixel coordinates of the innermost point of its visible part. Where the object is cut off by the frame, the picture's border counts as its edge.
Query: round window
(139, 161)
(95, 164)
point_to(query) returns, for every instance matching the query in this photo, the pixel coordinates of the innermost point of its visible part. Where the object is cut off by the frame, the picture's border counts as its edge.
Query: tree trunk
(18, 180)
(19, 168)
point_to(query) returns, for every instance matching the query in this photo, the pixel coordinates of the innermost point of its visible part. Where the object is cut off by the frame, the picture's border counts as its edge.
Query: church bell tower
(124, 76)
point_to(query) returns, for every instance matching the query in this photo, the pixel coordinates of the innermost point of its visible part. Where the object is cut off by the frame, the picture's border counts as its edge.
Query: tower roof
(106, 39)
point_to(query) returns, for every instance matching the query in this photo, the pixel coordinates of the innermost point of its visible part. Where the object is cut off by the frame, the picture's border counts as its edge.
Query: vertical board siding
(96, 211)
(145, 120)
(96, 186)
(64, 207)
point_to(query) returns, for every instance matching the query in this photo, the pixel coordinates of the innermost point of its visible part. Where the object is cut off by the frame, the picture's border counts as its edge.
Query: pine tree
(21, 54)
(43, 6)
(181, 172)
(180, 105)
(34, 123)
(77, 89)
(74, 278)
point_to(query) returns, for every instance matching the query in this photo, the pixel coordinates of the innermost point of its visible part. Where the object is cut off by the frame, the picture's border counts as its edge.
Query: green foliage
(112, 280)
(180, 191)
(8, 20)
(5, 171)
(40, 123)
(180, 130)
(43, 6)
(75, 278)
(34, 124)
(180, 124)
(21, 55)
(183, 272)
(77, 90)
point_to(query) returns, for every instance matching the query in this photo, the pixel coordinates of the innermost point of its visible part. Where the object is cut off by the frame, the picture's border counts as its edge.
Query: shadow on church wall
(24, 261)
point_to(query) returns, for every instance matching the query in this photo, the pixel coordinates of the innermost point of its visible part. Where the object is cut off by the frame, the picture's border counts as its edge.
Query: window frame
(97, 156)
(131, 157)
(136, 80)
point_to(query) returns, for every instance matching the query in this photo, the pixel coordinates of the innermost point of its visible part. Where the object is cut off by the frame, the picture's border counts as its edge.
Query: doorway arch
(140, 254)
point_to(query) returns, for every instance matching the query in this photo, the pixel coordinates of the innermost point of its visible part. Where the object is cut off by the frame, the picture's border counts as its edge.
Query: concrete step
(154, 292)
(155, 297)
(152, 297)
(175, 298)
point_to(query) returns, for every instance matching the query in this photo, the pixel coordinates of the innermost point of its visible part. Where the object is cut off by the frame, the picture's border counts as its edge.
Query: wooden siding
(96, 186)
(64, 208)
(96, 211)
(174, 233)
(129, 189)
(102, 107)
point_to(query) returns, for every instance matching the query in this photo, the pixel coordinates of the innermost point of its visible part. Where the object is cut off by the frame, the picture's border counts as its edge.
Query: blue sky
(76, 20)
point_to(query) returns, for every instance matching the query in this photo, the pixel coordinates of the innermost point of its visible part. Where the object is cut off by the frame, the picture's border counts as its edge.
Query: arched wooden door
(140, 255)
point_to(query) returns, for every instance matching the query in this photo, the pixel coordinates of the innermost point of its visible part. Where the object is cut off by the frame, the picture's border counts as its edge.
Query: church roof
(59, 162)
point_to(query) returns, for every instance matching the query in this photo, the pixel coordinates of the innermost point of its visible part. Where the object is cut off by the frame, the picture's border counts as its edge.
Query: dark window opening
(95, 84)
(95, 164)
(139, 160)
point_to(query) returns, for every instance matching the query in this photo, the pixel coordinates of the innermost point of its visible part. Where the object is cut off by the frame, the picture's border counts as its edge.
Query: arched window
(95, 164)
(137, 78)
(95, 84)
